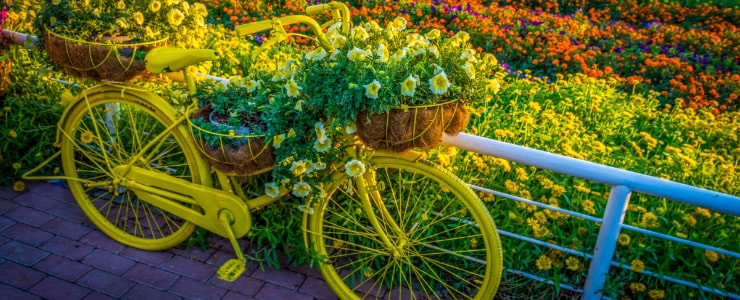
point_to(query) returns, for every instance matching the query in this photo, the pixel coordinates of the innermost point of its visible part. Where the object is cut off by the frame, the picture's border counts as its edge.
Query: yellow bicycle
(406, 228)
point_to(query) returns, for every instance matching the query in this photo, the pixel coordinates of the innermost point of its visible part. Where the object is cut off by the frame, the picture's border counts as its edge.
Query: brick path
(49, 250)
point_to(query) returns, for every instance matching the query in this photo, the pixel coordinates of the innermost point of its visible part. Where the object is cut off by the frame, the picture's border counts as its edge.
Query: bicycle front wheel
(443, 242)
(110, 129)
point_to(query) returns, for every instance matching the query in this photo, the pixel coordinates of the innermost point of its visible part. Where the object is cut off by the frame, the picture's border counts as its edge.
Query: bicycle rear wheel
(447, 246)
(111, 129)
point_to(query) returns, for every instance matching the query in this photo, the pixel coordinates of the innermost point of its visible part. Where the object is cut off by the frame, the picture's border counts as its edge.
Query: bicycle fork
(370, 198)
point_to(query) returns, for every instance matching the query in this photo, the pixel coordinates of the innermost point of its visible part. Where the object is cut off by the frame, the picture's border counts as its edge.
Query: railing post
(606, 242)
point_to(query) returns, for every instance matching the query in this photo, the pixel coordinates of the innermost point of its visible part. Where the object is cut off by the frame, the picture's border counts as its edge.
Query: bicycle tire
(452, 249)
(106, 130)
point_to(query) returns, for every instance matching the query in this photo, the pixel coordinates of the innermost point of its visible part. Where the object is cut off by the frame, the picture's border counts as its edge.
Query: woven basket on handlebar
(117, 59)
(410, 127)
(241, 155)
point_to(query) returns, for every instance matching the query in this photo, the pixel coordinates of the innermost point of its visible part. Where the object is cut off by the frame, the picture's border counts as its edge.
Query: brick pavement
(49, 250)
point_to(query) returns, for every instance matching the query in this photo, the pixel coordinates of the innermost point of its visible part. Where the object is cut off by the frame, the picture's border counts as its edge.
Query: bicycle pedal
(231, 269)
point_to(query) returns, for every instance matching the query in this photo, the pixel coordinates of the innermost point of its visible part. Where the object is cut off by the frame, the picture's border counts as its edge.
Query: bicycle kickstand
(232, 268)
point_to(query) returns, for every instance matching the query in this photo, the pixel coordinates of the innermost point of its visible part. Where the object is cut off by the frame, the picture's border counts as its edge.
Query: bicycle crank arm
(196, 203)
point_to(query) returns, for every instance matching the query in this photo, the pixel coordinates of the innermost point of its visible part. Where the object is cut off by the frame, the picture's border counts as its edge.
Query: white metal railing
(623, 183)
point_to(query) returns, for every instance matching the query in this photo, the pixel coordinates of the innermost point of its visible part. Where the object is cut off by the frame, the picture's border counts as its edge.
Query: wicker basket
(116, 59)
(240, 155)
(420, 127)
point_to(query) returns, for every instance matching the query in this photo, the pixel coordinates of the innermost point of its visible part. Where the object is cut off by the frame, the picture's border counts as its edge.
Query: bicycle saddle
(170, 59)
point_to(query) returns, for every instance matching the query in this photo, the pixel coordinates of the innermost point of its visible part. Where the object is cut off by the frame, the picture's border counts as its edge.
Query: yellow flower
(638, 287)
(322, 146)
(175, 17)
(56, 2)
(511, 186)
(16, 166)
(139, 18)
(572, 263)
(489, 60)
(521, 174)
(382, 53)
(371, 90)
(354, 168)
(277, 140)
(12, 134)
(86, 137)
(272, 190)
(649, 220)
(624, 239)
(439, 83)
(120, 5)
(637, 265)
(469, 70)
(357, 54)
(359, 33)
(19, 186)
(398, 23)
(588, 207)
(544, 263)
(656, 294)
(320, 132)
(493, 86)
(292, 88)
(298, 167)
(200, 9)
(711, 255)
(251, 85)
(433, 34)
(703, 212)
(155, 5)
(408, 86)
(301, 189)
(306, 209)
(351, 127)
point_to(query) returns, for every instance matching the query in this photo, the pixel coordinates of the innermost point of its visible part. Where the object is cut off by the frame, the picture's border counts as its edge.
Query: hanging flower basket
(410, 127)
(232, 153)
(116, 59)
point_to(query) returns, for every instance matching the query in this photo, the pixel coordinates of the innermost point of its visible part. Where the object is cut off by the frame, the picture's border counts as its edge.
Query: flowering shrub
(142, 20)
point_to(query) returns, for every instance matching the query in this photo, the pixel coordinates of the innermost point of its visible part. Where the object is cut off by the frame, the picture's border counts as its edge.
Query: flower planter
(419, 127)
(116, 59)
(240, 154)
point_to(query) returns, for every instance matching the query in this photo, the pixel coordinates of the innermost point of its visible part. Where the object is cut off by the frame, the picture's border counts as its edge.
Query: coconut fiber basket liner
(245, 155)
(114, 60)
(420, 127)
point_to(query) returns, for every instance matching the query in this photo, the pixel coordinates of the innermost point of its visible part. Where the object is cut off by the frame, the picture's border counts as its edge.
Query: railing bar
(677, 280)
(541, 279)
(544, 244)
(542, 205)
(596, 172)
(682, 241)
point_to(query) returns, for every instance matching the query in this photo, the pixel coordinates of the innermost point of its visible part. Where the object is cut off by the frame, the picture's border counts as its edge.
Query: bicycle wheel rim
(105, 131)
(439, 264)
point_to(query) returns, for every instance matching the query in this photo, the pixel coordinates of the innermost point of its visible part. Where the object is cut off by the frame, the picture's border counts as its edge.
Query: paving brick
(99, 240)
(7, 193)
(73, 231)
(271, 291)
(152, 276)
(317, 288)
(9, 292)
(68, 211)
(7, 205)
(62, 267)
(19, 276)
(191, 289)
(108, 262)
(68, 248)
(5, 223)
(98, 296)
(53, 191)
(22, 253)
(193, 253)
(244, 285)
(27, 234)
(231, 295)
(35, 201)
(155, 258)
(280, 277)
(106, 283)
(53, 288)
(142, 292)
(29, 216)
(189, 268)
(306, 270)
